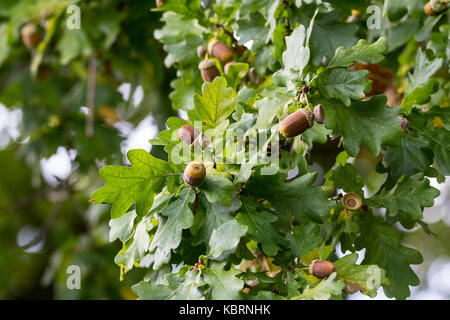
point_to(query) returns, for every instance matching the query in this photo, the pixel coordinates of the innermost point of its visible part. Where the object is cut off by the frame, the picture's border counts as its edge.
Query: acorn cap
(438, 6)
(206, 64)
(352, 201)
(194, 173)
(28, 29)
(309, 115)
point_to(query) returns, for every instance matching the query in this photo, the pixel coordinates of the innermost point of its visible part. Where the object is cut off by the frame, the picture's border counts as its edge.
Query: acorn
(226, 68)
(297, 123)
(438, 6)
(352, 201)
(208, 70)
(352, 287)
(159, 3)
(220, 51)
(194, 173)
(428, 10)
(201, 51)
(30, 35)
(319, 114)
(321, 268)
(188, 134)
(253, 76)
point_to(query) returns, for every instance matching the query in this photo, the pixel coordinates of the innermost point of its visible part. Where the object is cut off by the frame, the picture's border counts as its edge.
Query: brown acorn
(201, 51)
(352, 287)
(208, 70)
(226, 68)
(321, 268)
(220, 51)
(194, 173)
(30, 35)
(319, 114)
(253, 76)
(352, 201)
(159, 3)
(188, 134)
(428, 9)
(297, 123)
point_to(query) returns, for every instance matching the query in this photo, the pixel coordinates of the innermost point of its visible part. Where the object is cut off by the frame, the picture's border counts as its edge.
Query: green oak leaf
(216, 103)
(218, 187)
(439, 143)
(236, 74)
(168, 236)
(297, 198)
(210, 216)
(408, 158)
(268, 108)
(135, 249)
(441, 113)
(296, 55)
(304, 239)
(326, 289)
(424, 69)
(384, 248)
(177, 288)
(252, 28)
(409, 196)
(368, 277)
(327, 36)
(346, 178)
(370, 123)
(437, 138)
(180, 37)
(122, 228)
(344, 85)
(317, 133)
(226, 238)
(362, 52)
(419, 96)
(136, 184)
(188, 82)
(259, 227)
(223, 283)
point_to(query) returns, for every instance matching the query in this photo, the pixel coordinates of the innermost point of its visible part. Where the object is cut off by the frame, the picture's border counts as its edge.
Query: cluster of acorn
(301, 120)
(224, 54)
(195, 172)
(434, 7)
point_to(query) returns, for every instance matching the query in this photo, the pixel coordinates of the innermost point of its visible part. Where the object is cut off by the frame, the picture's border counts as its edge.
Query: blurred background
(53, 140)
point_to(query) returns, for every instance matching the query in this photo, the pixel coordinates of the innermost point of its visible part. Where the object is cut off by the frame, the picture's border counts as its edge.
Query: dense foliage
(257, 222)
(270, 206)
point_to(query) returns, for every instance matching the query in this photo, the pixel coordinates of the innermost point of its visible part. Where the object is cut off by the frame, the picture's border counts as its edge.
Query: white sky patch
(138, 95)
(58, 165)
(182, 114)
(10, 121)
(137, 138)
(28, 234)
(438, 276)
